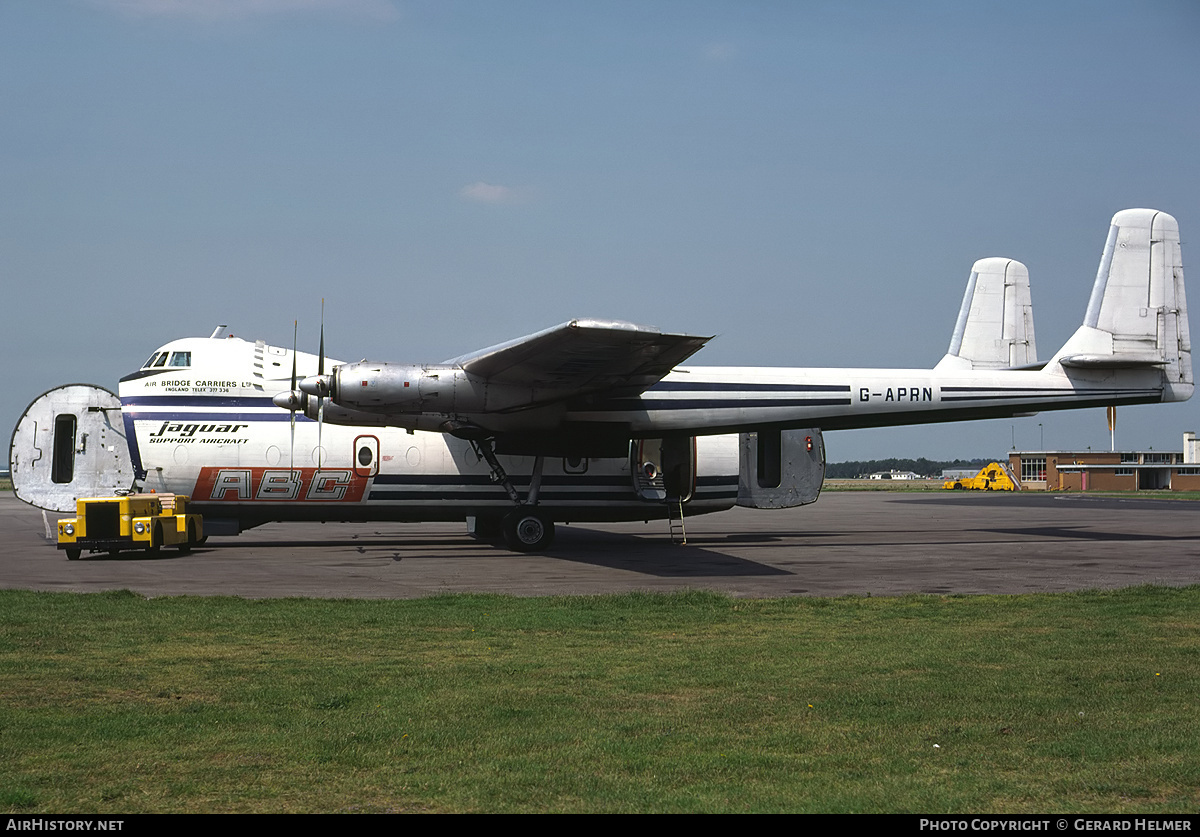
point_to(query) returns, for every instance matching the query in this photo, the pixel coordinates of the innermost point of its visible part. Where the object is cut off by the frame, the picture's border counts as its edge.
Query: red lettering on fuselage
(245, 485)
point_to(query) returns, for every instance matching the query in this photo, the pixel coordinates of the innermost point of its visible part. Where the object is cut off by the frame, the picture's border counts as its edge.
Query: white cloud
(481, 192)
(226, 10)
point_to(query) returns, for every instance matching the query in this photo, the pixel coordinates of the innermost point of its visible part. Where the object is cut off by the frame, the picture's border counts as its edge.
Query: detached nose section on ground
(70, 443)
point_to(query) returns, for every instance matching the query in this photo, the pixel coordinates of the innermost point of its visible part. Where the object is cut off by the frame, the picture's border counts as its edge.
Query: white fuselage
(210, 430)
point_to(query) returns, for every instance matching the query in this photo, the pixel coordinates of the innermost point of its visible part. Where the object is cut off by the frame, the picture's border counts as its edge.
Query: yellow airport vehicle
(992, 477)
(137, 521)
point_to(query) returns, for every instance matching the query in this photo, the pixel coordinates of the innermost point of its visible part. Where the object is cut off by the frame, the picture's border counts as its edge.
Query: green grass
(689, 702)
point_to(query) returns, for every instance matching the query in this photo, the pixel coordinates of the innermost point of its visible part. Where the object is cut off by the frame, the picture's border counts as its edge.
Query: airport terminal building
(1109, 471)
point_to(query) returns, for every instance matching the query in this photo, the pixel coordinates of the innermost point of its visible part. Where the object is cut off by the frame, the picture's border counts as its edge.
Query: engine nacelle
(395, 387)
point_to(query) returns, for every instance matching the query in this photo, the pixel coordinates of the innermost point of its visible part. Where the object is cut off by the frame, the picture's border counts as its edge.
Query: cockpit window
(160, 359)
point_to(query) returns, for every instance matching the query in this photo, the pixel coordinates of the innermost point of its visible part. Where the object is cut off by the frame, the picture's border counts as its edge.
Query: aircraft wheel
(528, 531)
(73, 553)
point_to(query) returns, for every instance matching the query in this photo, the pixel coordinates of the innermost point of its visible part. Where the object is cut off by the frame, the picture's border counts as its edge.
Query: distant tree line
(925, 467)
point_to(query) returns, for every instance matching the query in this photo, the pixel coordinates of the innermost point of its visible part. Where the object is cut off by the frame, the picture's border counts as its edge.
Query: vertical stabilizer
(995, 323)
(1137, 314)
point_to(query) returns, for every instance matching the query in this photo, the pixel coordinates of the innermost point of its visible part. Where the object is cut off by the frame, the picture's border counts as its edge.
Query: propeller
(296, 398)
(321, 375)
(291, 400)
(319, 386)
(297, 401)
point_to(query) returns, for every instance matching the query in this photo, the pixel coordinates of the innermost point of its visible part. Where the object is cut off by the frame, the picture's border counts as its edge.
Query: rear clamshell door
(780, 469)
(70, 443)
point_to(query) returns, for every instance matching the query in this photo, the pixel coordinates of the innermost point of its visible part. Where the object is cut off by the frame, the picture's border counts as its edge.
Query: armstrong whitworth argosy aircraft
(590, 420)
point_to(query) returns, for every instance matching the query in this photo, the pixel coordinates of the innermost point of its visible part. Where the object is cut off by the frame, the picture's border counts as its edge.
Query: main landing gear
(526, 528)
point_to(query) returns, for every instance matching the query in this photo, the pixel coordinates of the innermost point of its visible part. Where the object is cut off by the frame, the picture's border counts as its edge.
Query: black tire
(526, 530)
(156, 539)
(186, 546)
(73, 553)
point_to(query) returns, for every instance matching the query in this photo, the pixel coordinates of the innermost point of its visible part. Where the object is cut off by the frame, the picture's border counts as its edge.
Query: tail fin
(1137, 315)
(995, 324)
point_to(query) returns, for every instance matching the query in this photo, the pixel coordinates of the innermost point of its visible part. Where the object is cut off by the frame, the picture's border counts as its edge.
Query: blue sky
(809, 181)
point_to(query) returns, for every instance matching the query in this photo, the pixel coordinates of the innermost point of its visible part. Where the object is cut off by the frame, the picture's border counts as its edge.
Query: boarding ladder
(1012, 475)
(675, 518)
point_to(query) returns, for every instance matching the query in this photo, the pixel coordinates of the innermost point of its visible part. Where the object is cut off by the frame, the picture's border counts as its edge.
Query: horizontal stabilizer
(1110, 361)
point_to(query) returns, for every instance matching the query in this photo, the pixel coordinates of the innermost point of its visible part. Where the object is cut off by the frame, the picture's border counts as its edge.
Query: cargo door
(70, 443)
(780, 469)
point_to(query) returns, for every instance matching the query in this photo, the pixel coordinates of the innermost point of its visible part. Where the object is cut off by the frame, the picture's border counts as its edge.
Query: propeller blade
(321, 373)
(320, 424)
(292, 445)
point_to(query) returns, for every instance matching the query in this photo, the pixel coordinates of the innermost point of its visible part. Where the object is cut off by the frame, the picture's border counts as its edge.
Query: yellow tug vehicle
(138, 521)
(992, 477)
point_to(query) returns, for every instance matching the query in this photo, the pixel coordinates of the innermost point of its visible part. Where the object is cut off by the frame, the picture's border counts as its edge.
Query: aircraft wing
(584, 356)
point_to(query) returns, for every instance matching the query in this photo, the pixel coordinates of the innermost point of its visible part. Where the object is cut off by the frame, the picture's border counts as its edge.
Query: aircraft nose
(316, 385)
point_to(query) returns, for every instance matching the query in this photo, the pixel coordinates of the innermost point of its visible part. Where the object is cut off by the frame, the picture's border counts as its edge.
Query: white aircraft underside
(590, 420)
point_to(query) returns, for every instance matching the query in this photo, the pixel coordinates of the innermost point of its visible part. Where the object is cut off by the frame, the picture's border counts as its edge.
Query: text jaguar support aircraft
(591, 420)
